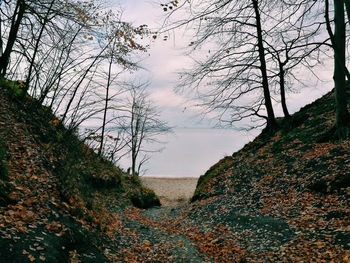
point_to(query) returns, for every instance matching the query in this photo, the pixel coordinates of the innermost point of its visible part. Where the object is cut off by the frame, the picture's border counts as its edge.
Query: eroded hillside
(282, 198)
(59, 201)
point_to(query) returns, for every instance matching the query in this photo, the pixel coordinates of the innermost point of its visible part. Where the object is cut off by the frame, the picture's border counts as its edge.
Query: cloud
(193, 151)
(168, 98)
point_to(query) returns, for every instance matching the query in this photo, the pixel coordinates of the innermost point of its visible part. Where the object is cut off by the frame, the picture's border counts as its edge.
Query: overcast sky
(195, 146)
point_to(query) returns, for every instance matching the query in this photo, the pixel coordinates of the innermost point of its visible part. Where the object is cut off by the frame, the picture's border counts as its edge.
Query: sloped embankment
(59, 201)
(283, 198)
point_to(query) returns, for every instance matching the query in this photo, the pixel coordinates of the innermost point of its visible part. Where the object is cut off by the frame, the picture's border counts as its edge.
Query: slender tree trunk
(133, 139)
(61, 62)
(283, 91)
(46, 19)
(1, 42)
(342, 113)
(16, 21)
(330, 32)
(136, 137)
(80, 82)
(106, 105)
(133, 164)
(137, 143)
(347, 5)
(271, 120)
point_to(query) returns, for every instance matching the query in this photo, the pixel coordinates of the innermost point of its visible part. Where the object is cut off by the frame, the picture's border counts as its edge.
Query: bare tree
(57, 46)
(241, 49)
(16, 20)
(116, 55)
(233, 78)
(45, 20)
(143, 127)
(271, 120)
(297, 43)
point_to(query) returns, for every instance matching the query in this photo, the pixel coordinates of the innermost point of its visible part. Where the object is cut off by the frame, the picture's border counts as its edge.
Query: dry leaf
(31, 258)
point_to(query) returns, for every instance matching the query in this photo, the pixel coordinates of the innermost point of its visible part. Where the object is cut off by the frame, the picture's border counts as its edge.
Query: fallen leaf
(31, 258)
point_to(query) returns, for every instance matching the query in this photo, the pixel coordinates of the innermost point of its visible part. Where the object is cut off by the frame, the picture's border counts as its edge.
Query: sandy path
(171, 191)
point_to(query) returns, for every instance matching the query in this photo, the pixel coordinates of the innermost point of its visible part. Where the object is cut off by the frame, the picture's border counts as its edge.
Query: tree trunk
(106, 106)
(330, 32)
(133, 165)
(80, 82)
(347, 5)
(283, 91)
(133, 154)
(271, 120)
(133, 131)
(16, 21)
(46, 19)
(136, 139)
(1, 42)
(342, 113)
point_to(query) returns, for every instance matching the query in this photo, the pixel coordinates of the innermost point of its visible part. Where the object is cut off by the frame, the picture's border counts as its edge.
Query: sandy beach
(171, 191)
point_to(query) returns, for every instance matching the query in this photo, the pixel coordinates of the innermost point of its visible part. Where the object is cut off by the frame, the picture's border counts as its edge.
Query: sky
(195, 145)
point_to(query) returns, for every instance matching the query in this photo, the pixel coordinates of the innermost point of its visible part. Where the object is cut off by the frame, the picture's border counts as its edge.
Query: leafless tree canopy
(143, 126)
(248, 54)
(70, 55)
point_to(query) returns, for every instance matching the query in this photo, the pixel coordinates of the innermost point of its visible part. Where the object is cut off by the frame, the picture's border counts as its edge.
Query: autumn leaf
(319, 243)
(31, 258)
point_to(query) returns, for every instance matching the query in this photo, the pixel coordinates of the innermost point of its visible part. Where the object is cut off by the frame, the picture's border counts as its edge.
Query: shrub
(16, 88)
(144, 198)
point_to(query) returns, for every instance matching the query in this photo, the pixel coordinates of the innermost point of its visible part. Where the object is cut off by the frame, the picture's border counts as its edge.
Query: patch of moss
(81, 171)
(144, 199)
(16, 88)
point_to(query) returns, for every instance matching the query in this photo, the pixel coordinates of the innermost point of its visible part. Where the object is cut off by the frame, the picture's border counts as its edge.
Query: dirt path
(171, 191)
(158, 239)
(155, 235)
